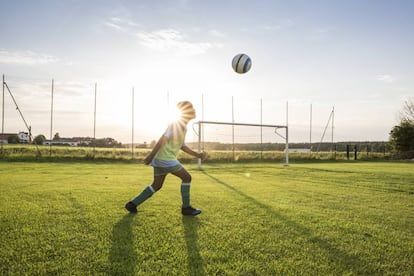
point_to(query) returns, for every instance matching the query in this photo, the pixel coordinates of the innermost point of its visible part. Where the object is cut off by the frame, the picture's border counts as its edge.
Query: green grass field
(350, 218)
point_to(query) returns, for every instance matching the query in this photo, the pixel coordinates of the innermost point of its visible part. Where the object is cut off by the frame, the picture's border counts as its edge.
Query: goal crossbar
(200, 123)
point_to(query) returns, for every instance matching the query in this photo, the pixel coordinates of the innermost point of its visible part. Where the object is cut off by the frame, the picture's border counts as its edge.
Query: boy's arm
(186, 149)
(161, 142)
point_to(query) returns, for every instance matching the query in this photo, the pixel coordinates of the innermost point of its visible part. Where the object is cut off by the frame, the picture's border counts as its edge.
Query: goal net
(242, 141)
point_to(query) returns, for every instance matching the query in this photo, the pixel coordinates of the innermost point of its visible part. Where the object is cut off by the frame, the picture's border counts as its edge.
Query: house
(24, 137)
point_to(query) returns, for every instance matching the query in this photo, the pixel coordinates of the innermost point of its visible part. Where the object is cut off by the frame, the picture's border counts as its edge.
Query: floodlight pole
(29, 128)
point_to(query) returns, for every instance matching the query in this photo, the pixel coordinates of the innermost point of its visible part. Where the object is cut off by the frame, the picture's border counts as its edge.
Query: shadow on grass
(194, 260)
(348, 263)
(123, 257)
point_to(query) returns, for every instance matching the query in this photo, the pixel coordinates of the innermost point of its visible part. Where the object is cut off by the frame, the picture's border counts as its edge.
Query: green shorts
(164, 171)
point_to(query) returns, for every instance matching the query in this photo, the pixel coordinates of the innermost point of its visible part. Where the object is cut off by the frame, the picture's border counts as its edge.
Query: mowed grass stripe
(259, 219)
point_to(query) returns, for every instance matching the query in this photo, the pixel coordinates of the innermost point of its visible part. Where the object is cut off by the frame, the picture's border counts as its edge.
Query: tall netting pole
(202, 118)
(261, 129)
(287, 135)
(232, 128)
(51, 121)
(133, 102)
(333, 119)
(2, 120)
(310, 130)
(199, 144)
(94, 123)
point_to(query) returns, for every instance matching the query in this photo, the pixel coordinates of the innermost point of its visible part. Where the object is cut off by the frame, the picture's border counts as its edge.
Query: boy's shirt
(167, 155)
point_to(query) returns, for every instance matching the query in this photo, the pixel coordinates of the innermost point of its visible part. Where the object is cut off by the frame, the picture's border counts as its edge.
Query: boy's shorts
(164, 171)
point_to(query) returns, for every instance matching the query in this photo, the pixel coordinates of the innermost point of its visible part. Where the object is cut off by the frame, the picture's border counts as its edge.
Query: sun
(173, 114)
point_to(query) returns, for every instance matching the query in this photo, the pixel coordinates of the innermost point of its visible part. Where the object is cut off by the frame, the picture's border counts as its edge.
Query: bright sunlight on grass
(258, 219)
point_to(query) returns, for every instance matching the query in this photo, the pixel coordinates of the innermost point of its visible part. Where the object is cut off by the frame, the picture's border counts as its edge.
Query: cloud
(121, 25)
(163, 40)
(114, 26)
(170, 40)
(25, 58)
(385, 78)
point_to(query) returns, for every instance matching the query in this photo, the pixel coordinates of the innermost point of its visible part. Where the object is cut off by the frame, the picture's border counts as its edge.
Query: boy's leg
(185, 185)
(185, 192)
(145, 194)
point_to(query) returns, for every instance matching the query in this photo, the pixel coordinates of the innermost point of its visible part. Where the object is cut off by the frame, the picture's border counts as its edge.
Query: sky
(350, 62)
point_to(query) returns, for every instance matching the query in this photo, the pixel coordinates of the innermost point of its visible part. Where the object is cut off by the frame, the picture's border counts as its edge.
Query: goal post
(276, 127)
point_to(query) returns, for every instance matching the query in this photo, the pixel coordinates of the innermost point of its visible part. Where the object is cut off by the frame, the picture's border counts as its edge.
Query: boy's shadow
(122, 256)
(194, 260)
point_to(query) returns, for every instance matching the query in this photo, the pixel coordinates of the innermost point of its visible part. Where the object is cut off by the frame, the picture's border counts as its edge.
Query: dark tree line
(402, 135)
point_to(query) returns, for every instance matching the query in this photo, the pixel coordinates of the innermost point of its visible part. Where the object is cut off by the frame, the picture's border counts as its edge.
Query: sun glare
(173, 114)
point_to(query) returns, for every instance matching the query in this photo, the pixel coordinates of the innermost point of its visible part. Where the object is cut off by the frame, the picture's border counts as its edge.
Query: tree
(39, 139)
(56, 136)
(402, 138)
(407, 113)
(402, 135)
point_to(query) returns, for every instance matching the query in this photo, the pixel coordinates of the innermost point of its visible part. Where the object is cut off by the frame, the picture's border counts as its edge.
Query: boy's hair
(187, 110)
(185, 106)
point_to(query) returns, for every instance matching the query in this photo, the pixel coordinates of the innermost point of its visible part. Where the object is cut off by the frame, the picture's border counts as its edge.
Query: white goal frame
(200, 128)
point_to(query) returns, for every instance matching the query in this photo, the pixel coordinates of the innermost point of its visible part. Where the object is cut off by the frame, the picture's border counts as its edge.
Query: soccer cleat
(190, 211)
(131, 207)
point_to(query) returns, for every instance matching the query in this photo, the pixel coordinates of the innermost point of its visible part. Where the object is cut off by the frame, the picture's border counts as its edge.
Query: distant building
(74, 141)
(24, 137)
(63, 142)
(4, 138)
(299, 150)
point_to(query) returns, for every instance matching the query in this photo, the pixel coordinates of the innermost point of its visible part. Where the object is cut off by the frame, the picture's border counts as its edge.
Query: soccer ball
(241, 63)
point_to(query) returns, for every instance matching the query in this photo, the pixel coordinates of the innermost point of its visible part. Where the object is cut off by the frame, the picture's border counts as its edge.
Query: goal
(234, 133)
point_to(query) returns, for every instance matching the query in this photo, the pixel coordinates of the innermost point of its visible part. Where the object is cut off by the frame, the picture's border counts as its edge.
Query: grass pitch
(258, 219)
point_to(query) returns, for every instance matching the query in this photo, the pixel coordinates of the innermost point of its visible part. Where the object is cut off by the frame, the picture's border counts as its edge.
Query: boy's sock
(144, 195)
(185, 194)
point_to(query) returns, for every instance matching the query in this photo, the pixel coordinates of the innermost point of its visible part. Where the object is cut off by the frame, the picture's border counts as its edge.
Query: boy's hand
(202, 155)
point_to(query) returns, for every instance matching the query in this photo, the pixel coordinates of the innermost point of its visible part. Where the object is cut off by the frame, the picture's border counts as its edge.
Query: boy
(163, 158)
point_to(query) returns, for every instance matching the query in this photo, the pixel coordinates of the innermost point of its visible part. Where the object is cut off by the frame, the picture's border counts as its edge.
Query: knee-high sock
(185, 194)
(144, 195)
